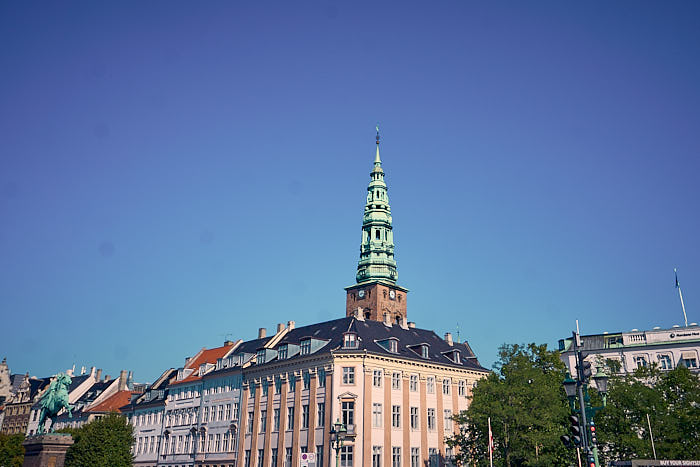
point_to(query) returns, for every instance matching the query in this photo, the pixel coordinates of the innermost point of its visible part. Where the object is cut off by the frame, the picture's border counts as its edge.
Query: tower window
(376, 234)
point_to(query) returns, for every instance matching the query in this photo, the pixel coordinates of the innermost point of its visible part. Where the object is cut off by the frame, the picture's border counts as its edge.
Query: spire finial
(377, 133)
(377, 159)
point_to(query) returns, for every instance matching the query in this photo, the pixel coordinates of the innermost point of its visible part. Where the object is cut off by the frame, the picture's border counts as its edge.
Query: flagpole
(490, 444)
(680, 295)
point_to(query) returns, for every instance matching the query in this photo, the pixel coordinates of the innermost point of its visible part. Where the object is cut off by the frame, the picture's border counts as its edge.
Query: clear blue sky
(171, 172)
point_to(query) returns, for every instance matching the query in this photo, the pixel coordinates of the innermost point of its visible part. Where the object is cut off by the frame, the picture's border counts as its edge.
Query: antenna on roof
(458, 341)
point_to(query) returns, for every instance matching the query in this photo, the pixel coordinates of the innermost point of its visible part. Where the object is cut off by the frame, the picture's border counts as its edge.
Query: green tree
(11, 450)
(104, 442)
(672, 401)
(528, 408)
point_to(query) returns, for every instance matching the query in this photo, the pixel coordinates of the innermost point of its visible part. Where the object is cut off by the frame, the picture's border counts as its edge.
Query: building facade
(266, 401)
(623, 352)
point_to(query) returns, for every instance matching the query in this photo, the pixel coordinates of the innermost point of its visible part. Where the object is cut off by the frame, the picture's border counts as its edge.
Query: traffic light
(587, 372)
(594, 439)
(566, 439)
(575, 430)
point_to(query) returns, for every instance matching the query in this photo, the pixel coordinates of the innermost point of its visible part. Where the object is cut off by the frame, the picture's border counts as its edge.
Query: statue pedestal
(47, 450)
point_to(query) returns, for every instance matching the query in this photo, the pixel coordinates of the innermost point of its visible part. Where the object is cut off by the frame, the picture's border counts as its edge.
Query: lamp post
(338, 433)
(577, 389)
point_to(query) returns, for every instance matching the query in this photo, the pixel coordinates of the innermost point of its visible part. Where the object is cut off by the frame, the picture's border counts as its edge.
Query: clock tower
(376, 292)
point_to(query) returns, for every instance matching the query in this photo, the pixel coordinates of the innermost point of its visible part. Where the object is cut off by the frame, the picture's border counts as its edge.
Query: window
(228, 411)
(448, 420)
(449, 455)
(377, 456)
(431, 419)
(288, 457)
(306, 346)
(395, 456)
(273, 457)
(414, 418)
(396, 380)
(246, 459)
(276, 420)
(205, 415)
(430, 384)
(221, 412)
(446, 386)
(249, 428)
(235, 411)
(396, 416)
(210, 445)
(640, 361)
(462, 388)
(321, 414)
(376, 415)
(665, 362)
(433, 457)
(217, 443)
(377, 378)
(690, 362)
(319, 455)
(278, 385)
(348, 375)
(345, 456)
(261, 457)
(260, 358)
(265, 385)
(348, 413)
(350, 340)
(263, 421)
(413, 383)
(292, 383)
(282, 352)
(227, 435)
(415, 457)
(424, 351)
(290, 418)
(305, 416)
(321, 378)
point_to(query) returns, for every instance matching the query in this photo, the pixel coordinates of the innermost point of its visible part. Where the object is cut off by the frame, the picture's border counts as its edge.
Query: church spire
(377, 247)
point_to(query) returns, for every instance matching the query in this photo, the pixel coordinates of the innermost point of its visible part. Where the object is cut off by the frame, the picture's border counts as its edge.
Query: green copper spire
(377, 249)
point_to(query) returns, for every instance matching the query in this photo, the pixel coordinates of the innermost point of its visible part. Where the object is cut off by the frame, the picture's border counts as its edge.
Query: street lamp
(570, 387)
(601, 383)
(338, 433)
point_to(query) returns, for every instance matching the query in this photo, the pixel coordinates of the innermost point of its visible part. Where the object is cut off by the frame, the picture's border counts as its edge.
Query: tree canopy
(11, 450)
(104, 442)
(672, 401)
(528, 409)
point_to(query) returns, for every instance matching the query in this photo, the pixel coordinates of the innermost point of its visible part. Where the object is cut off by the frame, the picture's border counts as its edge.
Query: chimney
(92, 371)
(402, 323)
(107, 378)
(280, 327)
(98, 376)
(448, 338)
(227, 343)
(290, 325)
(387, 319)
(412, 324)
(122, 381)
(358, 314)
(82, 370)
(262, 332)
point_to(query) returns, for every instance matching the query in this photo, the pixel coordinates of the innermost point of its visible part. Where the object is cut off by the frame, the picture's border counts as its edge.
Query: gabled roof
(113, 403)
(202, 357)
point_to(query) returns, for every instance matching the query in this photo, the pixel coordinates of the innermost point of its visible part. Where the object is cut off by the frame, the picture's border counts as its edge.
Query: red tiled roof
(204, 356)
(113, 402)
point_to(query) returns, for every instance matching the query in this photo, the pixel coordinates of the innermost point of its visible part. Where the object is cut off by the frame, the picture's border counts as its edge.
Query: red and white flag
(490, 444)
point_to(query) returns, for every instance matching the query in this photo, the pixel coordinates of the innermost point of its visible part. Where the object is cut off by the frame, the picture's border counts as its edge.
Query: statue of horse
(53, 400)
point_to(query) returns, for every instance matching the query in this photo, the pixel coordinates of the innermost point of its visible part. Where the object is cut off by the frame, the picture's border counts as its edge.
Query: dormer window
(454, 355)
(282, 352)
(350, 340)
(392, 345)
(306, 346)
(260, 357)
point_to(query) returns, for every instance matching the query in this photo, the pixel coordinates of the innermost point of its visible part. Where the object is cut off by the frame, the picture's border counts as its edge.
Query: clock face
(361, 293)
(392, 294)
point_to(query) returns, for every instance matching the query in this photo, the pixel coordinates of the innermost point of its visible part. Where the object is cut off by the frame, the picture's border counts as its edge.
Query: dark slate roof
(36, 385)
(77, 381)
(370, 332)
